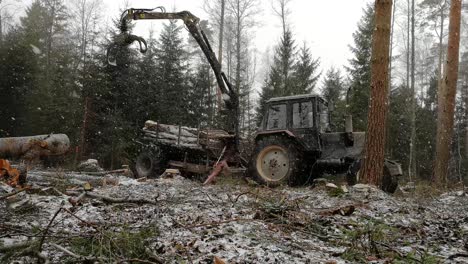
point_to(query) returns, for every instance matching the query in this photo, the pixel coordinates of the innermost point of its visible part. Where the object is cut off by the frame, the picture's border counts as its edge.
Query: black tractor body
(295, 144)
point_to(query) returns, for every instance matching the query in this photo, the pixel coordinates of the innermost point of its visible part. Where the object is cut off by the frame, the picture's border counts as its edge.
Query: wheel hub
(273, 163)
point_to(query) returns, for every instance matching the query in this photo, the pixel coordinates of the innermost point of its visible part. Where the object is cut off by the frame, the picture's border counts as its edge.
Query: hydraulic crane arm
(192, 23)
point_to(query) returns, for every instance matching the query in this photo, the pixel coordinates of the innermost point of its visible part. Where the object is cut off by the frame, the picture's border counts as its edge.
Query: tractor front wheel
(276, 160)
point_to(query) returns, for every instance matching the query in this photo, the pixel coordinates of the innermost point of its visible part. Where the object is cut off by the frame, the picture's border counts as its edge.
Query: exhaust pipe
(349, 124)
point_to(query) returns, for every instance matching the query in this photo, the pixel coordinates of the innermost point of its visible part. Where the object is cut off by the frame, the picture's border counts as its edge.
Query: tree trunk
(84, 127)
(220, 49)
(390, 65)
(238, 47)
(411, 165)
(378, 105)
(440, 87)
(445, 112)
(408, 47)
(466, 128)
(1, 25)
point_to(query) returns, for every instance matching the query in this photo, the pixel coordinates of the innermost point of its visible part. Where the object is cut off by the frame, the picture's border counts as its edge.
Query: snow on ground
(239, 223)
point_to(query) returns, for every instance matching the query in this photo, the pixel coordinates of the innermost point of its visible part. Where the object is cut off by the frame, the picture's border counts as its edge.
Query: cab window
(303, 115)
(277, 117)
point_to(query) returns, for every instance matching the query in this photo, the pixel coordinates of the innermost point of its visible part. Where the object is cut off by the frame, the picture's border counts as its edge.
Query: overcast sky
(326, 25)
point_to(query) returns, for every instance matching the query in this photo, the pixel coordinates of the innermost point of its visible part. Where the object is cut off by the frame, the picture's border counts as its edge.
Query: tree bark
(408, 47)
(445, 112)
(378, 105)
(84, 127)
(220, 49)
(411, 165)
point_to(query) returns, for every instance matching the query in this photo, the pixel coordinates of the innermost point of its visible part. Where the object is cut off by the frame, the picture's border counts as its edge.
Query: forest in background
(54, 78)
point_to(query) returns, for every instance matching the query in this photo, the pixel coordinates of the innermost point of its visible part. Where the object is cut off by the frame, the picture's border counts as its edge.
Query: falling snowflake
(35, 49)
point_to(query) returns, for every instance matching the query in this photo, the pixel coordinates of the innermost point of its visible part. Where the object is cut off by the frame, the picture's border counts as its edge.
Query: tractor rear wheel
(389, 181)
(150, 164)
(276, 160)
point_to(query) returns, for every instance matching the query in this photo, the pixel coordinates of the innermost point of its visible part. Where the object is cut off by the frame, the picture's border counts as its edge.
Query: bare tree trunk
(238, 47)
(411, 165)
(388, 150)
(440, 87)
(1, 25)
(445, 112)
(375, 139)
(466, 126)
(220, 49)
(408, 47)
(84, 127)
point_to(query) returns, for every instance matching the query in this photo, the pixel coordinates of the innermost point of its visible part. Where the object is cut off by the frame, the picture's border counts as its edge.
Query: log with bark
(34, 147)
(183, 136)
(47, 177)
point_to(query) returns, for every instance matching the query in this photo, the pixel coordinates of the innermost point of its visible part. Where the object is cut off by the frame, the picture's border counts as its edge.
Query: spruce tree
(360, 69)
(333, 86)
(305, 72)
(17, 66)
(333, 89)
(44, 32)
(172, 70)
(279, 81)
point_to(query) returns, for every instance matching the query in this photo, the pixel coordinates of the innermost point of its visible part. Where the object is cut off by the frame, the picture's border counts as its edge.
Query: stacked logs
(183, 136)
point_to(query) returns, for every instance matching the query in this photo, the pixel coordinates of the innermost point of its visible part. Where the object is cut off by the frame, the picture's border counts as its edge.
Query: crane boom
(230, 96)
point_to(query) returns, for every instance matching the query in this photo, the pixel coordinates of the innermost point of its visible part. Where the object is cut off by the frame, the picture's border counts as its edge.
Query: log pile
(183, 136)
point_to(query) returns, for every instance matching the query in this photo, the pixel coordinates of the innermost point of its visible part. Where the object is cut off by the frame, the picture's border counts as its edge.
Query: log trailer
(294, 143)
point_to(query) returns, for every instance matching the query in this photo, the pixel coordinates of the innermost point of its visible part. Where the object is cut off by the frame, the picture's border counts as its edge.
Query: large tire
(389, 181)
(277, 160)
(149, 164)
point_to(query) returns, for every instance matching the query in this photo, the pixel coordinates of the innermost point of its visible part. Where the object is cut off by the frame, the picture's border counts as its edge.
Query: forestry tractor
(293, 146)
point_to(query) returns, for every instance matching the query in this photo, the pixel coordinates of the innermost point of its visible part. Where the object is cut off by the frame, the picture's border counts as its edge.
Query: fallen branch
(75, 200)
(154, 257)
(108, 199)
(14, 193)
(82, 220)
(221, 222)
(47, 228)
(458, 255)
(25, 249)
(83, 259)
(100, 173)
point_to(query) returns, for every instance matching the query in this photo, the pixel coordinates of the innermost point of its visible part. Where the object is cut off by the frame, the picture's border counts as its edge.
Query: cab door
(304, 123)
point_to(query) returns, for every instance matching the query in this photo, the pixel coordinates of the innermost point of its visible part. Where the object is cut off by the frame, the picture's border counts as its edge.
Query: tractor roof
(294, 97)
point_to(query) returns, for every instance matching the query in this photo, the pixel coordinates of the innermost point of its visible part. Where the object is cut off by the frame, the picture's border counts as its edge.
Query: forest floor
(177, 220)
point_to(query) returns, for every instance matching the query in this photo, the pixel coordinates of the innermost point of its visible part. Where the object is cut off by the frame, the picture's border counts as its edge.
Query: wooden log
(68, 178)
(35, 146)
(164, 135)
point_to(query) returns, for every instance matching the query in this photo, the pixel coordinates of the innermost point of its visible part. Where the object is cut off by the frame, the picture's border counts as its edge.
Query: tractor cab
(304, 117)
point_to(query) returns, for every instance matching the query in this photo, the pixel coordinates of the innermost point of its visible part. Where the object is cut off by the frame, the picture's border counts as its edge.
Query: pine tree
(373, 167)
(360, 69)
(447, 93)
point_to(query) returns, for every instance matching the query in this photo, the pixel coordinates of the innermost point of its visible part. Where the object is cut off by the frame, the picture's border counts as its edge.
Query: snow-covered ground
(239, 223)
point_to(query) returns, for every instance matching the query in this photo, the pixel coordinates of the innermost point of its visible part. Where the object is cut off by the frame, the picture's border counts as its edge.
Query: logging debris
(173, 220)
